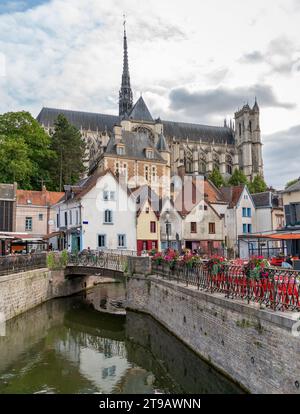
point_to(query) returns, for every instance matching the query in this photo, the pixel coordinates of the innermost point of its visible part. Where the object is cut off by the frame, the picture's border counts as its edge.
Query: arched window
(144, 130)
(202, 164)
(229, 164)
(216, 162)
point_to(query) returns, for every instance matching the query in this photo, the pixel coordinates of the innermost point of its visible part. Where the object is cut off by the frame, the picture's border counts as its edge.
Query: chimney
(118, 133)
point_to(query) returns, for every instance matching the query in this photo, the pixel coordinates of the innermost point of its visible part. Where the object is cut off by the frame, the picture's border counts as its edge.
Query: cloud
(253, 57)
(10, 6)
(206, 103)
(281, 55)
(281, 158)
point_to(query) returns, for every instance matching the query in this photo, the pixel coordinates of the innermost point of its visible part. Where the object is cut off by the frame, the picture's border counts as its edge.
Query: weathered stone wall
(23, 291)
(254, 347)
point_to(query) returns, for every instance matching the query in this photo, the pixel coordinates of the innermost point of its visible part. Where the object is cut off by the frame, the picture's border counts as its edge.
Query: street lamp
(167, 228)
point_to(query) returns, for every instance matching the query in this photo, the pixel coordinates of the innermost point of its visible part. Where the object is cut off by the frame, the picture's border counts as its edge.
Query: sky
(194, 60)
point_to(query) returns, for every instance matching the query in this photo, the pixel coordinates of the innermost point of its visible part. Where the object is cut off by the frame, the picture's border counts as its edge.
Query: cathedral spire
(125, 95)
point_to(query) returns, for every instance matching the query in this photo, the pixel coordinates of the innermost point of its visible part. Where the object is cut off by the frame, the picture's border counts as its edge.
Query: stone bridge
(106, 264)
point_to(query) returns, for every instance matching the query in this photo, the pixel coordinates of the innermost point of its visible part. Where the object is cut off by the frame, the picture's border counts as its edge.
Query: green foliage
(57, 261)
(216, 178)
(69, 149)
(15, 164)
(258, 185)
(238, 178)
(25, 149)
(289, 183)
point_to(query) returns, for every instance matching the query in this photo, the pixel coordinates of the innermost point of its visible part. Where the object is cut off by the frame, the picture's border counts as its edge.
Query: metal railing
(275, 288)
(21, 263)
(99, 259)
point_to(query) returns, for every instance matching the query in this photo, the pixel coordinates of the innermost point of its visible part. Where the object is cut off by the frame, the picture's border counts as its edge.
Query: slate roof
(101, 122)
(86, 120)
(293, 187)
(262, 199)
(232, 195)
(135, 144)
(196, 132)
(162, 143)
(140, 112)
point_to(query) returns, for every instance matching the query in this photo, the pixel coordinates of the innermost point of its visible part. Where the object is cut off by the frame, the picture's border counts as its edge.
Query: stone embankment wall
(253, 347)
(23, 291)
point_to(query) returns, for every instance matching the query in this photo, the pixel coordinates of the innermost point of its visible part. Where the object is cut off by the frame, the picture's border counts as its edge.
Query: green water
(72, 346)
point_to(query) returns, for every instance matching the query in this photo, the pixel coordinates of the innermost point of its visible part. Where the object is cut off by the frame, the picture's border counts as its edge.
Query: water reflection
(68, 346)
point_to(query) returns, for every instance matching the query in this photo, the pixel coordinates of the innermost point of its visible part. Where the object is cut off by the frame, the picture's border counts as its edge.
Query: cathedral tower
(125, 95)
(248, 140)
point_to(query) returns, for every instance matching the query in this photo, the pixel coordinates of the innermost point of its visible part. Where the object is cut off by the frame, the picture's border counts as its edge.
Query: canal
(85, 344)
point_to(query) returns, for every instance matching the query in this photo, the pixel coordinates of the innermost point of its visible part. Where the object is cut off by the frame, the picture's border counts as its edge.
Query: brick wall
(253, 347)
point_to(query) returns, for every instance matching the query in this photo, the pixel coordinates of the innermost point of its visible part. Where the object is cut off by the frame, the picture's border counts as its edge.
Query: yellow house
(148, 226)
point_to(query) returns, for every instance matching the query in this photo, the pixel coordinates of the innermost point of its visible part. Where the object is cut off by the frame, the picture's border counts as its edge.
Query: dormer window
(149, 153)
(120, 149)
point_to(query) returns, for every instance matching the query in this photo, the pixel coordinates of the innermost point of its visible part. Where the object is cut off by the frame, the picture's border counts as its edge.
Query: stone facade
(254, 347)
(23, 291)
(192, 148)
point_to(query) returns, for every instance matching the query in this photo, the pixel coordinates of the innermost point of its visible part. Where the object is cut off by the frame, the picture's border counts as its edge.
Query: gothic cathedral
(134, 144)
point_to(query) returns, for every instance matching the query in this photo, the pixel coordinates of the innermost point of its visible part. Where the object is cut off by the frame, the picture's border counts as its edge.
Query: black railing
(21, 263)
(111, 261)
(275, 288)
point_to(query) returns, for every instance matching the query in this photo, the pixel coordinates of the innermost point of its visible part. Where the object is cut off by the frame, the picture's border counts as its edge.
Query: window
(193, 227)
(247, 212)
(120, 150)
(66, 218)
(250, 126)
(153, 227)
(149, 154)
(108, 195)
(247, 228)
(41, 217)
(28, 224)
(57, 220)
(147, 210)
(101, 240)
(70, 217)
(212, 228)
(108, 217)
(153, 173)
(77, 217)
(240, 129)
(146, 173)
(122, 240)
(168, 228)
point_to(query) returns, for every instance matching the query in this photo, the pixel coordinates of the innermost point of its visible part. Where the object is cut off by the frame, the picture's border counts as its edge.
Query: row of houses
(100, 212)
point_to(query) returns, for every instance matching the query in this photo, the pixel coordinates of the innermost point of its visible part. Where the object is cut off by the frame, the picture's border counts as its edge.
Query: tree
(69, 149)
(289, 183)
(216, 178)
(238, 178)
(22, 134)
(258, 185)
(15, 164)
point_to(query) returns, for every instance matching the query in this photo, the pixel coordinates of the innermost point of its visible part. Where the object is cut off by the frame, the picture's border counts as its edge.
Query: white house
(97, 213)
(240, 218)
(170, 226)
